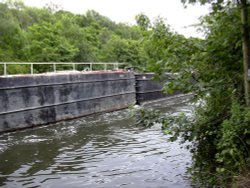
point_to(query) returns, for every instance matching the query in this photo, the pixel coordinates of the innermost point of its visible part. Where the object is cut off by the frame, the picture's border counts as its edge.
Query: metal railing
(114, 65)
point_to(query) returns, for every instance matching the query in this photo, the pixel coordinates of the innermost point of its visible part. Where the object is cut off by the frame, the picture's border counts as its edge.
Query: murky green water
(100, 151)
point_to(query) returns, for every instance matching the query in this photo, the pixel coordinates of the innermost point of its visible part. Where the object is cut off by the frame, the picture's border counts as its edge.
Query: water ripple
(98, 151)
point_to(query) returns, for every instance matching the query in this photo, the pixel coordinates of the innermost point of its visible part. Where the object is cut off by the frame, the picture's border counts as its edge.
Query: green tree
(51, 34)
(142, 21)
(121, 50)
(12, 38)
(45, 43)
(243, 5)
(219, 130)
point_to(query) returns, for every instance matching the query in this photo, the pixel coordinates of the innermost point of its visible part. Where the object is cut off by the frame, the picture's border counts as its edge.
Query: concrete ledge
(148, 89)
(28, 101)
(47, 115)
(35, 100)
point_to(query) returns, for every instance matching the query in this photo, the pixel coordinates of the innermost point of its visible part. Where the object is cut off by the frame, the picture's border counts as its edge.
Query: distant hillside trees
(51, 34)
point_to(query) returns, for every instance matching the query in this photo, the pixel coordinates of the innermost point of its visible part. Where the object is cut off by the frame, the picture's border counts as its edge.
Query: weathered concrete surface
(148, 89)
(27, 101)
(34, 100)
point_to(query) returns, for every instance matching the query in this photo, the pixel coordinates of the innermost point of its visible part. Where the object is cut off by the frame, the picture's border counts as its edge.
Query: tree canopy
(219, 129)
(52, 34)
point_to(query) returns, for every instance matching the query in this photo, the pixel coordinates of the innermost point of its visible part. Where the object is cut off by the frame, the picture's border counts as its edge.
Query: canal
(103, 151)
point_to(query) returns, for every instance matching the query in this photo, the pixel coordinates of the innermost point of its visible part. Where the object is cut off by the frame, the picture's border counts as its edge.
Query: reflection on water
(98, 151)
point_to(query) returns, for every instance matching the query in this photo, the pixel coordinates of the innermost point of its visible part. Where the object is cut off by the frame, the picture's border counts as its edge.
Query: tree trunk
(245, 48)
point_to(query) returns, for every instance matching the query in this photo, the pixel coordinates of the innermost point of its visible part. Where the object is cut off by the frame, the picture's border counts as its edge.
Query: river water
(103, 151)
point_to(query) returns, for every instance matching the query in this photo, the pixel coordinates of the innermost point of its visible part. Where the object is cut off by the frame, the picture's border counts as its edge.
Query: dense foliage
(31, 34)
(212, 69)
(51, 34)
(219, 130)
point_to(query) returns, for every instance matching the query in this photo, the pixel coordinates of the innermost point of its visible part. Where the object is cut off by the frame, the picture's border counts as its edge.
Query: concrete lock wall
(149, 89)
(42, 99)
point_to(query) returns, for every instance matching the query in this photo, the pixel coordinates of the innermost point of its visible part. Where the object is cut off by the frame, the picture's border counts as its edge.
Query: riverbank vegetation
(218, 77)
(215, 70)
(211, 68)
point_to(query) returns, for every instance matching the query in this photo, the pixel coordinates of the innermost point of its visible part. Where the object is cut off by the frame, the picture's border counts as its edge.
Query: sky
(179, 18)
